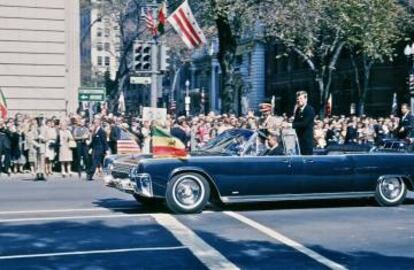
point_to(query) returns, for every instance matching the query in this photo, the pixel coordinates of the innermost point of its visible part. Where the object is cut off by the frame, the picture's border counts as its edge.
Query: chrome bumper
(124, 185)
(141, 185)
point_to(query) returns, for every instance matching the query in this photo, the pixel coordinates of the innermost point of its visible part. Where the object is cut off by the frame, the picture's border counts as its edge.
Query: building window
(99, 34)
(107, 46)
(99, 17)
(107, 32)
(99, 60)
(99, 46)
(107, 61)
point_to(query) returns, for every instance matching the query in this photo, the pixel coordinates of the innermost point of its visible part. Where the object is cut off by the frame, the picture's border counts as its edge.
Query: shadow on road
(128, 207)
(133, 207)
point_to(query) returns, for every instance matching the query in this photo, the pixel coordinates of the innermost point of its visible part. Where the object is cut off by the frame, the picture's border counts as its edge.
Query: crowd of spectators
(67, 140)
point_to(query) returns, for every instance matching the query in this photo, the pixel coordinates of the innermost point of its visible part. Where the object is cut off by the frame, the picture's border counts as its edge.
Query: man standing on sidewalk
(99, 147)
(5, 148)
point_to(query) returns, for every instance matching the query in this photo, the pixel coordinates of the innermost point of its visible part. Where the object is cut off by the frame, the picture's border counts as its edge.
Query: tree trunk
(367, 76)
(226, 57)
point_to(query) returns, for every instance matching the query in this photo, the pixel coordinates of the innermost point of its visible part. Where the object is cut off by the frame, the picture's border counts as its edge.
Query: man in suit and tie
(303, 123)
(275, 145)
(406, 124)
(99, 145)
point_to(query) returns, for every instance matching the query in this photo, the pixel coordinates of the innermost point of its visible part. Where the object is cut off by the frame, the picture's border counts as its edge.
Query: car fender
(409, 181)
(198, 170)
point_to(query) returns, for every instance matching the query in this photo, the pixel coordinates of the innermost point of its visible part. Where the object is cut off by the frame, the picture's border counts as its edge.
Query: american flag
(127, 144)
(149, 21)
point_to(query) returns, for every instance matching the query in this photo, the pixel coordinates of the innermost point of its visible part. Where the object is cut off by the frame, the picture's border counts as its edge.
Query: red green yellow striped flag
(3, 105)
(166, 146)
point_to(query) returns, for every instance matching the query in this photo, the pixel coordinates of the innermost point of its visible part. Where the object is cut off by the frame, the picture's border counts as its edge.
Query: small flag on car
(166, 146)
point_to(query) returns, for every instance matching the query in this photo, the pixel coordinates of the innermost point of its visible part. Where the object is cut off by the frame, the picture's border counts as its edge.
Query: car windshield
(229, 142)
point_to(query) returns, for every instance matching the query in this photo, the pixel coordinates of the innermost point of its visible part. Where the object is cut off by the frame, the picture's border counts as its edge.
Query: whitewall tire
(187, 193)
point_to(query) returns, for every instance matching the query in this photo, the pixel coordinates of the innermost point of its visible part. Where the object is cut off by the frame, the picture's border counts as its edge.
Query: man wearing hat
(270, 122)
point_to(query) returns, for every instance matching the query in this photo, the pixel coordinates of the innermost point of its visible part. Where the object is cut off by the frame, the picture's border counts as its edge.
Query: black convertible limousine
(230, 169)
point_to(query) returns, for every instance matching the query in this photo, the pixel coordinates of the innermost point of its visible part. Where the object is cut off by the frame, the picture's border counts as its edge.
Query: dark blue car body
(248, 178)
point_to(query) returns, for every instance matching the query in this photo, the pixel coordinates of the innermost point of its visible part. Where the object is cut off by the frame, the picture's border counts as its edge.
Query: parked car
(231, 169)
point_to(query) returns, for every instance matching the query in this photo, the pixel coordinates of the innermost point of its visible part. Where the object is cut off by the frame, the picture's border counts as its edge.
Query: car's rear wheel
(187, 193)
(390, 191)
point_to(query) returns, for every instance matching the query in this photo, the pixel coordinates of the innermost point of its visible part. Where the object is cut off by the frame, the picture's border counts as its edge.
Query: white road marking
(41, 211)
(90, 252)
(209, 256)
(287, 241)
(13, 220)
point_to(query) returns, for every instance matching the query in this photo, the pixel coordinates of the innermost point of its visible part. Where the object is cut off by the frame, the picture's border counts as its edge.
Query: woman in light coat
(65, 152)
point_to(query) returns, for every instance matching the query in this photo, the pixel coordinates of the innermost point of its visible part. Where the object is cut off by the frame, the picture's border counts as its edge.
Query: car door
(324, 174)
(256, 176)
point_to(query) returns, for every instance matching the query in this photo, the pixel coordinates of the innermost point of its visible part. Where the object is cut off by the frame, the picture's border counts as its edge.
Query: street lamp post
(409, 52)
(187, 98)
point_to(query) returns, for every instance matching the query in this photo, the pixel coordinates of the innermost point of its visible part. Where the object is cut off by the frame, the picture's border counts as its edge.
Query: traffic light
(142, 56)
(164, 58)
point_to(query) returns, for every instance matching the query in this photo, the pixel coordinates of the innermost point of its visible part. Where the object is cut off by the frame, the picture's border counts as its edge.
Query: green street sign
(91, 94)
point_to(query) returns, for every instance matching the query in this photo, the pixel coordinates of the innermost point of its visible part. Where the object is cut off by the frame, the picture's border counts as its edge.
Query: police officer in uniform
(81, 135)
(39, 142)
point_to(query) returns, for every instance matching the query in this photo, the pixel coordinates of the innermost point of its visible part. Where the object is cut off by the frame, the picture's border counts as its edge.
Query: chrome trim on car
(143, 183)
(290, 197)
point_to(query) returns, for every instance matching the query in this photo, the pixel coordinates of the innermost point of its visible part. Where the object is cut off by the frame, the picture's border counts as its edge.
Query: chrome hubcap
(188, 192)
(391, 188)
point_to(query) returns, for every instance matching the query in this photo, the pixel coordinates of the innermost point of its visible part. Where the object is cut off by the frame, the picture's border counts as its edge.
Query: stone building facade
(39, 55)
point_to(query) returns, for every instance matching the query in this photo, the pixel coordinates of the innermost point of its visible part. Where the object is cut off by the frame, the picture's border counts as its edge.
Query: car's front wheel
(187, 193)
(390, 191)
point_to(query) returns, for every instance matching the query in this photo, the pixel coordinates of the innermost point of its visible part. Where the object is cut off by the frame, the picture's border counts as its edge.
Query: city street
(74, 224)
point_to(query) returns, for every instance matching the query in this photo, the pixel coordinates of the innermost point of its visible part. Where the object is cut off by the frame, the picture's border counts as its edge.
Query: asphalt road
(75, 224)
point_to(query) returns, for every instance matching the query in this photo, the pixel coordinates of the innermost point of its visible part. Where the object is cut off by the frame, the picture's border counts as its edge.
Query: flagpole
(154, 60)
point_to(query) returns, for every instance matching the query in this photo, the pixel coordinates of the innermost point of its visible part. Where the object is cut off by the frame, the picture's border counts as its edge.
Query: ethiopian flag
(3, 105)
(166, 146)
(162, 18)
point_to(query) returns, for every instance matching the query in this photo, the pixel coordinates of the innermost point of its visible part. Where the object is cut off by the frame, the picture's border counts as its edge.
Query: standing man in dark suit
(99, 147)
(406, 124)
(303, 123)
(179, 132)
(5, 148)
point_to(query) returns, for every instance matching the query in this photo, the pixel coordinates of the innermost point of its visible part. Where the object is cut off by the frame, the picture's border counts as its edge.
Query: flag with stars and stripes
(150, 23)
(184, 23)
(127, 143)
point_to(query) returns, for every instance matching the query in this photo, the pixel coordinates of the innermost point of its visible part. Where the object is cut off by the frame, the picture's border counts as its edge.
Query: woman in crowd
(66, 143)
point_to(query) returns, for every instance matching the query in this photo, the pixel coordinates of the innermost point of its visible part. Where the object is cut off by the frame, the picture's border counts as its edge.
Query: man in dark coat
(114, 137)
(275, 145)
(179, 132)
(5, 148)
(303, 123)
(99, 147)
(406, 124)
